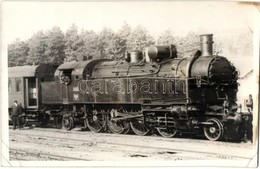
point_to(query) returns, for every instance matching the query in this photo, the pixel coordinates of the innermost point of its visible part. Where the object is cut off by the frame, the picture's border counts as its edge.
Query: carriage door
(31, 92)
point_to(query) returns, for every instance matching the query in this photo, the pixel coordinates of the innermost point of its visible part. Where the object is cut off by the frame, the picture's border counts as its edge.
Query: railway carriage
(24, 86)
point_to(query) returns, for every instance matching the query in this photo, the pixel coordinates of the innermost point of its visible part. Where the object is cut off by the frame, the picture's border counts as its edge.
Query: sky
(23, 19)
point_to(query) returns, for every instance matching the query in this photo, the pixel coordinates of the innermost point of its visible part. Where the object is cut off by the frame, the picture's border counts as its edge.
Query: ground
(50, 144)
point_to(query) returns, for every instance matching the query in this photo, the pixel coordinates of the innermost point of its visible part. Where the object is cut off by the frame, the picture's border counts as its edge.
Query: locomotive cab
(64, 89)
(63, 73)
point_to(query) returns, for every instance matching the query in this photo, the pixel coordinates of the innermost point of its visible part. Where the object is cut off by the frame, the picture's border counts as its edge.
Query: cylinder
(206, 44)
(159, 52)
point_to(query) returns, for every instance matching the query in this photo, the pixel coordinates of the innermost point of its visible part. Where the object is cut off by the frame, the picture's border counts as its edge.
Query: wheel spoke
(96, 125)
(139, 128)
(95, 122)
(99, 123)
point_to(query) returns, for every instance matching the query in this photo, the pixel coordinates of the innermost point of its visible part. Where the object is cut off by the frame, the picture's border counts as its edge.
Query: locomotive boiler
(150, 90)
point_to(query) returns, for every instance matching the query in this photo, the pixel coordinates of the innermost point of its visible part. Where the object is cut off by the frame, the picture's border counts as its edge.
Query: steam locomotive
(149, 90)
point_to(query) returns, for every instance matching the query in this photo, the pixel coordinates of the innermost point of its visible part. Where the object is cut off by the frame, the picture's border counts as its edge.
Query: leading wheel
(167, 132)
(67, 122)
(215, 130)
(96, 122)
(139, 127)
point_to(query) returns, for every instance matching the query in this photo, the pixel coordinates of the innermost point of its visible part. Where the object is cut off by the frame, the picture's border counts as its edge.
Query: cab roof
(83, 68)
(31, 71)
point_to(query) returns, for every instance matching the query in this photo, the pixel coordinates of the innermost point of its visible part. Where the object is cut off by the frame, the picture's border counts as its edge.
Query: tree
(17, 53)
(55, 46)
(47, 47)
(121, 40)
(191, 42)
(166, 38)
(117, 45)
(38, 45)
(105, 43)
(218, 48)
(73, 44)
(114, 49)
(187, 44)
(139, 38)
(90, 45)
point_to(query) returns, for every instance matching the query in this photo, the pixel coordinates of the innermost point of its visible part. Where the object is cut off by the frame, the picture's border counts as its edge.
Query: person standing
(248, 119)
(249, 103)
(17, 110)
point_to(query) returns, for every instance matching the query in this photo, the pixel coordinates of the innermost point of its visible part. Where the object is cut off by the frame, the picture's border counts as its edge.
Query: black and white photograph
(129, 83)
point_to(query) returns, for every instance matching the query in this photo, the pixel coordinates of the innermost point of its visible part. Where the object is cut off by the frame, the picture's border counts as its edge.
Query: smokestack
(206, 46)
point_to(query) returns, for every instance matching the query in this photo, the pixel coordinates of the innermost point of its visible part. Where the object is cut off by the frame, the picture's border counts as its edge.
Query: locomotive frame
(151, 90)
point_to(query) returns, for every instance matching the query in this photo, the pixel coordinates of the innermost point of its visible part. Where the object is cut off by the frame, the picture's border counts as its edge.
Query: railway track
(154, 137)
(133, 149)
(22, 155)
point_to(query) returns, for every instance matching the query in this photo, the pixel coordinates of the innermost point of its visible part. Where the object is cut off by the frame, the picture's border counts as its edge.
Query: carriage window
(9, 85)
(18, 85)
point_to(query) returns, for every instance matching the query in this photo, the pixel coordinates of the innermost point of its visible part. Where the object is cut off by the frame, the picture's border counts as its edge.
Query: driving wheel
(139, 127)
(167, 132)
(95, 122)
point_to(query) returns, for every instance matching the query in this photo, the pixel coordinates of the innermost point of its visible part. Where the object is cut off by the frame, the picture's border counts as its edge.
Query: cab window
(9, 85)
